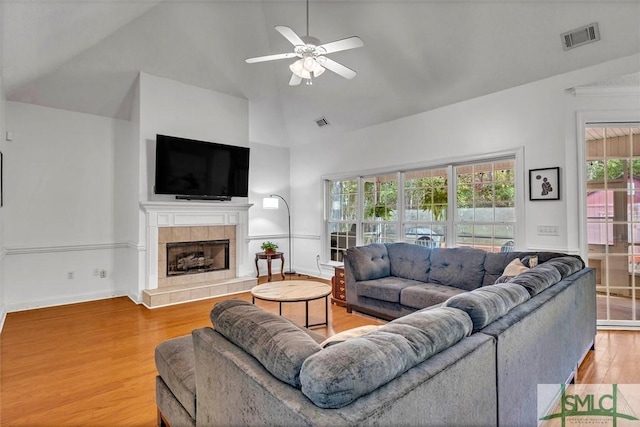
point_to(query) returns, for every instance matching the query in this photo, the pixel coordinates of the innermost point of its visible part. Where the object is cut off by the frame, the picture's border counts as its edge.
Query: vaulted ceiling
(418, 55)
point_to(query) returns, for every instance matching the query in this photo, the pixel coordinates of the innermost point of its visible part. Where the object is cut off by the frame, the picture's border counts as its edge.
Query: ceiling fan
(312, 60)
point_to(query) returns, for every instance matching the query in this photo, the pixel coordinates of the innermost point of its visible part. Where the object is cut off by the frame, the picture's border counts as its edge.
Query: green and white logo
(588, 404)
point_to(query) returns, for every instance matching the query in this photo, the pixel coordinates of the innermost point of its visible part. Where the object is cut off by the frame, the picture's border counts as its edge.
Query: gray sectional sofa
(472, 358)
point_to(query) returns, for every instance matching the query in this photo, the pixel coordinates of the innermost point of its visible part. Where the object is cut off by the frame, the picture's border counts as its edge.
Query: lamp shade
(269, 203)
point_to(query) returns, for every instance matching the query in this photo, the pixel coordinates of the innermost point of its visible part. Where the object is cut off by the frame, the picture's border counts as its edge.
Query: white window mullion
(452, 205)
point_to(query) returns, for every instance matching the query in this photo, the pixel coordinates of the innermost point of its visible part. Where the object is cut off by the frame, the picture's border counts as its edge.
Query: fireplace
(209, 251)
(178, 222)
(197, 257)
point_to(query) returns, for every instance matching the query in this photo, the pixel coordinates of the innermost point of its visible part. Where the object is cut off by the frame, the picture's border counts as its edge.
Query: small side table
(269, 257)
(339, 292)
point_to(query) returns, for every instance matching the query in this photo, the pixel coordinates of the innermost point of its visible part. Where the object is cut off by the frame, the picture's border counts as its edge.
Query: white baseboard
(310, 273)
(53, 302)
(3, 316)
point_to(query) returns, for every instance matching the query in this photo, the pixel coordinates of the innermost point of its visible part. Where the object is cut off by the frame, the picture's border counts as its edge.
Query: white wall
(73, 184)
(59, 205)
(126, 178)
(269, 175)
(3, 308)
(541, 117)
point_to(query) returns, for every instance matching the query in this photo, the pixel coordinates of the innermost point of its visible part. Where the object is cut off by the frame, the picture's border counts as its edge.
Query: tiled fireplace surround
(169, 222)
(195, 234)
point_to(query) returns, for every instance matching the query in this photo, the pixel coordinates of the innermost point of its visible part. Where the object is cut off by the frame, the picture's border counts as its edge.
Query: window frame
(516, 155)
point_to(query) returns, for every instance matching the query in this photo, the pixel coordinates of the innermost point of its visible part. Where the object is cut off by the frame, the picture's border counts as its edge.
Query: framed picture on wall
(544, 184)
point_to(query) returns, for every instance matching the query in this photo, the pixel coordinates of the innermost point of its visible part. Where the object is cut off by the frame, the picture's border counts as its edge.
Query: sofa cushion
(348, 334)
(409, 261)
(566, 265)
(459, 267)
(175, 363)
(384, 289)
(426, 294)
(486, 304)
(538, 278)
(369, 262)
(340, 374)
(278, 344)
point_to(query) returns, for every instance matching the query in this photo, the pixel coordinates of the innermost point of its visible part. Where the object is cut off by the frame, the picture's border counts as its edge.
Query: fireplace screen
(197, 257)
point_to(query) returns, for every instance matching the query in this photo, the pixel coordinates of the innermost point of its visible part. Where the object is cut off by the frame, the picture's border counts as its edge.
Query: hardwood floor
(92, 364)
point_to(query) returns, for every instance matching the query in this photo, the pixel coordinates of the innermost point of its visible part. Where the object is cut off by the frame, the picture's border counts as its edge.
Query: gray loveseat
(390, 280)
(474, 359)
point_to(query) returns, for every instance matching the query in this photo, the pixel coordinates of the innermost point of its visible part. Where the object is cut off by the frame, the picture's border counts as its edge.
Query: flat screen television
(191, 169)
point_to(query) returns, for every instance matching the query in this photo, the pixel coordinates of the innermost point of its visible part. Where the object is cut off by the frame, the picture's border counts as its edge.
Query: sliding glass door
(613, 219)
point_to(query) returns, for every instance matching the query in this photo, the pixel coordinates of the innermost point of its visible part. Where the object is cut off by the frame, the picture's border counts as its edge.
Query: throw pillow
(530, 261)
(349, 333)
(512, 270)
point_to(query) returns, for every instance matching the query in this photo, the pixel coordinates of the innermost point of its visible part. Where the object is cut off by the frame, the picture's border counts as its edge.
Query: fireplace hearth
(197, 257)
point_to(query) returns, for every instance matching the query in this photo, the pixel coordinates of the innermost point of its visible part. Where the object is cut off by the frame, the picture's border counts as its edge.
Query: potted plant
(269, 247)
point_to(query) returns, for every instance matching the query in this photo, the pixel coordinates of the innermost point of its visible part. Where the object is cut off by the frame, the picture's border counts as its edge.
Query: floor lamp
(272, 203)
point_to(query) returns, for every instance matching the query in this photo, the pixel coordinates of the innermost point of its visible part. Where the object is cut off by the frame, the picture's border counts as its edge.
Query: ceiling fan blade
(344, 44)
(290, 35)
(270, 57)
(336, 67)
(295, 80)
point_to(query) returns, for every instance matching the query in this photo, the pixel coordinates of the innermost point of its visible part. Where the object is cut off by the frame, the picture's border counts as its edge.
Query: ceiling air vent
(321, 122)
(579, 36)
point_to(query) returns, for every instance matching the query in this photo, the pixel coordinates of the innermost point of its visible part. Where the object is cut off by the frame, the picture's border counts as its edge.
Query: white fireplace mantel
(190, 214)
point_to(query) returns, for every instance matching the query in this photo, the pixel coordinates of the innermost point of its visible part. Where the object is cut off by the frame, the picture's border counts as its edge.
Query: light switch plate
(548, 230)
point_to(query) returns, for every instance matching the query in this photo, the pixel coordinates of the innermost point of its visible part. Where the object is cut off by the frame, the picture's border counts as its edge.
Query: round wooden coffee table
(294, 291)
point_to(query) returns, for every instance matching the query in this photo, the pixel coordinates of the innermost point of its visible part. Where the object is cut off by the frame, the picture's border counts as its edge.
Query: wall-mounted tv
(191, 169)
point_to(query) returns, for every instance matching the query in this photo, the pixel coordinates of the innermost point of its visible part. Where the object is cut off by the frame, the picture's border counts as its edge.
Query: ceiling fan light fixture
(303, 68)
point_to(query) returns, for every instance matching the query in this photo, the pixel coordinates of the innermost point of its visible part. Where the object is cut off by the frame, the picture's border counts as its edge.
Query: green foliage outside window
(613, 169)
(486, 189)
(344, 197)
(380, 199)
(428, 194)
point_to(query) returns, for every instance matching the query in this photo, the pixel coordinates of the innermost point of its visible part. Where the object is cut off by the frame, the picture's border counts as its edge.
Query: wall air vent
(321, 122)
(580, 36)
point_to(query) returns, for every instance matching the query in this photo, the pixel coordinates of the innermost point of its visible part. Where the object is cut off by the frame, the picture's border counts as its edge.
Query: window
(426, 202)
(380, 209)
(343, 214)
(485, 205)
(471, 204)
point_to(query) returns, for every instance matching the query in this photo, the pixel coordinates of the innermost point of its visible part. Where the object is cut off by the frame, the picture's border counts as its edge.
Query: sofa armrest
(235, 389)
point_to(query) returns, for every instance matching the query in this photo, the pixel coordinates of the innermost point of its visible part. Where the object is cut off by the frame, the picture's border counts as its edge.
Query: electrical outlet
(71, 275)
(96, 272)
(103, 274)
